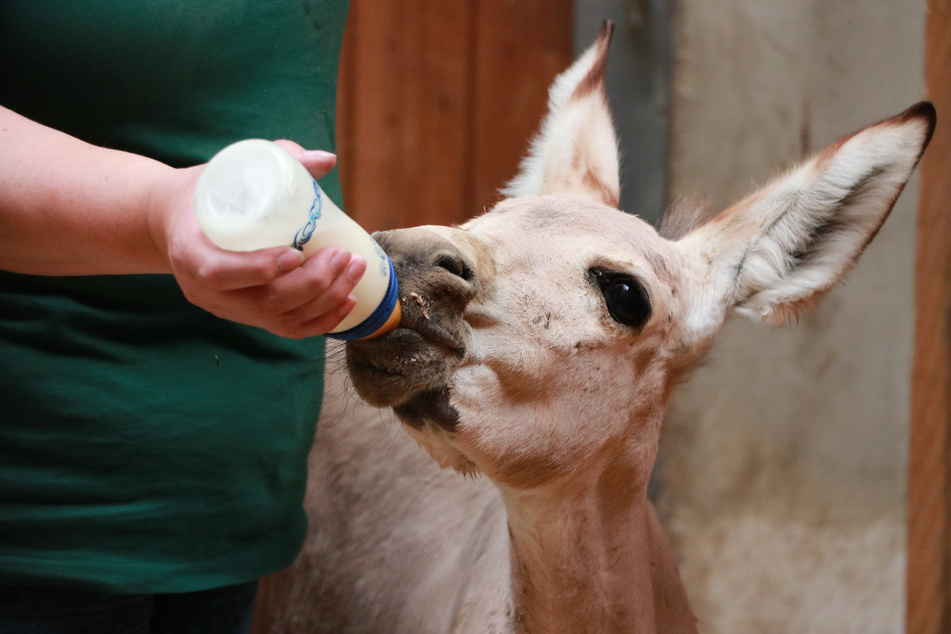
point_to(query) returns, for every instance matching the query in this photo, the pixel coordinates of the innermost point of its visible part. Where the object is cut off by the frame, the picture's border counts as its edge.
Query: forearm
(70, 208)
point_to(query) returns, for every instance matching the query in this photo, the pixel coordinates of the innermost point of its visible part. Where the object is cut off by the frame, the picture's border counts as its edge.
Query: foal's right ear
(773, 254)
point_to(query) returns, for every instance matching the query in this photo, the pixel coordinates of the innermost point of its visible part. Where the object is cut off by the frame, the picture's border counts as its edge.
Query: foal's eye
(625, 296)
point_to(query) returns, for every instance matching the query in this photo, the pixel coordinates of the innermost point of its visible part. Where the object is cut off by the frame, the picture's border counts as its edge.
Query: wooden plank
(519, 49)
(440, 102)
(407, 107)
(374, 61)
(929, 475)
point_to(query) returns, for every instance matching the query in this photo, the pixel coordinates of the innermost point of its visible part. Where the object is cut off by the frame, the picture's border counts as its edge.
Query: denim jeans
(226, 610)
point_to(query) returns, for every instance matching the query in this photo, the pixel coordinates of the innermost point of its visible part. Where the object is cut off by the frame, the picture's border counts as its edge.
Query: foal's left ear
(771, 255)
(576, 150)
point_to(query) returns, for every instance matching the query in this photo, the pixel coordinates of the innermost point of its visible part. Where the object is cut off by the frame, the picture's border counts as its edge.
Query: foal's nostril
(455, 265)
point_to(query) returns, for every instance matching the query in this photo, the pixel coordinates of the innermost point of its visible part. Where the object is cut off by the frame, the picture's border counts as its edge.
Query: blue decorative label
(305, 233)
(384, 259)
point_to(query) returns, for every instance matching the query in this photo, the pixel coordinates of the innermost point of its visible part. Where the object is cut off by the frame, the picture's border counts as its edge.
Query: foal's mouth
(431, 406)
(436, 334)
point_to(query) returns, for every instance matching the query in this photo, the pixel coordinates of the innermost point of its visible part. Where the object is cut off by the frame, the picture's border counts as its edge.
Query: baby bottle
(253, 194)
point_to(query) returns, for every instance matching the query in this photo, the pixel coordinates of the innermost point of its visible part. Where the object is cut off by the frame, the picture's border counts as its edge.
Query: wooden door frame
(928, 585)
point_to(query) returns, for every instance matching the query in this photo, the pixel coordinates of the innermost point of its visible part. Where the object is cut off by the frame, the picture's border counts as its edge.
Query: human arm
(71, 208)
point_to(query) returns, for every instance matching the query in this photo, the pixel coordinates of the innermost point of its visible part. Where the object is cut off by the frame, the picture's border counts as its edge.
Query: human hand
(274, 289)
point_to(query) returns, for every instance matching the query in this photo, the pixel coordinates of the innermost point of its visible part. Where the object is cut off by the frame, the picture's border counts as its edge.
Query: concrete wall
(783, 464)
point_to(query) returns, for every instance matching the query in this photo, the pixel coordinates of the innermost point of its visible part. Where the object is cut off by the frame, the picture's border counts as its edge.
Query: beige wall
(783, 467)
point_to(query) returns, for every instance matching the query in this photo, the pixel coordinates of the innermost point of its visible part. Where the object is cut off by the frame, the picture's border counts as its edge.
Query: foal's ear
(773, 254)
(576, 150)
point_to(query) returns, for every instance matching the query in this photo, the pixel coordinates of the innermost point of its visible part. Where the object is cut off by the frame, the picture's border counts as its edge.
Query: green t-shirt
(145, 445)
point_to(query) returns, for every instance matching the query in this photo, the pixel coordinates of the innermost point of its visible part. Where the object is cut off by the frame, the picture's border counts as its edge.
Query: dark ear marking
(739, 265)
(862, 186)
(921, 110)
(594, 78)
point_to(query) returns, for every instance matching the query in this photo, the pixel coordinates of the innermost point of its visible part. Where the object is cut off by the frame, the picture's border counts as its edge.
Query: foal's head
(542, 339)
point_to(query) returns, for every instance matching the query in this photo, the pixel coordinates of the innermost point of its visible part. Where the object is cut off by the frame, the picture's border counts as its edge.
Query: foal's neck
(590, 556)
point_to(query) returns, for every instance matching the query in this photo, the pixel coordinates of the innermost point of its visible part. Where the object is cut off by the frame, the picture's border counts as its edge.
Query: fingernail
(319, 155)
(357, 268)
(347, 306)
(289, 260)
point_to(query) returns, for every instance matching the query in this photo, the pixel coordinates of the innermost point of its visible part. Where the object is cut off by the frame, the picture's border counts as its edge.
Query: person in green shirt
(158, 395)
